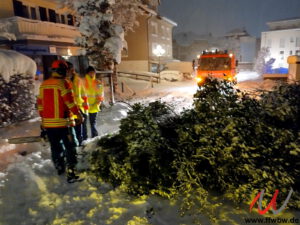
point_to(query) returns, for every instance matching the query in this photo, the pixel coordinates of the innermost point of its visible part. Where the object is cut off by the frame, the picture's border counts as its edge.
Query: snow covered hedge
(17, 100)
(229, 144)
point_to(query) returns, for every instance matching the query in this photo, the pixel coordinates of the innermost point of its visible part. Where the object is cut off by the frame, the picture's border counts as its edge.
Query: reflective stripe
(65, 91)
(71, 105)
(56, 103)
(58, 122)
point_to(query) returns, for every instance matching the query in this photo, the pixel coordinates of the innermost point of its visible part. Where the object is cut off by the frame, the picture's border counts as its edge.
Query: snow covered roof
(169, 21)
(237, 32)
(284, 24)
(147, 9)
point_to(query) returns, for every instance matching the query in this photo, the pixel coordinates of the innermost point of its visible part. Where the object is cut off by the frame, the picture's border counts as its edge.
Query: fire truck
(218, 64)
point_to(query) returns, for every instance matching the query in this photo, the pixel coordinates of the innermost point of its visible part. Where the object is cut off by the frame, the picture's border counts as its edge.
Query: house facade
(282, 40)
(189, 52)
(153, 31)
(242, 44)
(43, 32)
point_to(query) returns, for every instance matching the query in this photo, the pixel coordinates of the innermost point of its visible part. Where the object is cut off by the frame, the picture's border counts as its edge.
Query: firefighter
(56, 107)
(80, 98)
(94, 91)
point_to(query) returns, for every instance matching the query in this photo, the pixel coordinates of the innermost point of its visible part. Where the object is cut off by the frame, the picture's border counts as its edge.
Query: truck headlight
(199, 79)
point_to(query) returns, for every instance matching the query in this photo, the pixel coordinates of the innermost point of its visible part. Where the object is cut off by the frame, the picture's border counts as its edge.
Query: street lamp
(159, 51)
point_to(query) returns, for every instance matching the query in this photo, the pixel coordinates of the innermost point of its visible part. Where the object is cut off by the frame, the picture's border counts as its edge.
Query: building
(43, 32)
(153, 31)
(282, 40)
(242, 44)
(187, 46)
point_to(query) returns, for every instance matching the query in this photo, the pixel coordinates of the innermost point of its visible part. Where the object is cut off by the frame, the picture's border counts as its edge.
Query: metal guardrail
(107, 74)
(139, 76)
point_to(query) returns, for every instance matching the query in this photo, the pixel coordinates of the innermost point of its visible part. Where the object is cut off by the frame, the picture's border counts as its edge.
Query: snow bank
(14, 63)
(248, 75)
(32, 193)
(171, 75)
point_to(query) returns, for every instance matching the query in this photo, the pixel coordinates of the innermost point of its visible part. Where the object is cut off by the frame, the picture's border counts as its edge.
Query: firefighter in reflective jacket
(56, 107)
(94, 91)
(80, 97)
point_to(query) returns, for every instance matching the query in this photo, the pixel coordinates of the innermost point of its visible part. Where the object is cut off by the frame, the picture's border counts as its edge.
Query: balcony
(28, 29)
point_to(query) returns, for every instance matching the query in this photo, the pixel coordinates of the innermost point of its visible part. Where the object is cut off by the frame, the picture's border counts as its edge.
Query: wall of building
(151, 32)
(248, 49)
(6, 8)
(282, 44)
(184, 67)
(160, 33)
(137, 41)
(134, 65)
(190, 52)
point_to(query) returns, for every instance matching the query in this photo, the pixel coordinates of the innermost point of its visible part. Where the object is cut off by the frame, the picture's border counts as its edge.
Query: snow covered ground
(32, 193)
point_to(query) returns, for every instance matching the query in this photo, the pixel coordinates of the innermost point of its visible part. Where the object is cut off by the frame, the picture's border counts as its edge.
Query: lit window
(153, 47)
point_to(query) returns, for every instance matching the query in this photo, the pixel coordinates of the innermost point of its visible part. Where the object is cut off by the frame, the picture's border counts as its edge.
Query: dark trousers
(93, 124)
(78, 130)
(63, 144)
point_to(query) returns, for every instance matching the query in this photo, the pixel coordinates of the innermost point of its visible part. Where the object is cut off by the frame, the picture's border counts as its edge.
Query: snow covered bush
(238, 145)
(17, 98)
(229, 144)
(261, 65)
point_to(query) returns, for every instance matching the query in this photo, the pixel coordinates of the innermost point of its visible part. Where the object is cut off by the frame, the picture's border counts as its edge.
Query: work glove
(79, 119)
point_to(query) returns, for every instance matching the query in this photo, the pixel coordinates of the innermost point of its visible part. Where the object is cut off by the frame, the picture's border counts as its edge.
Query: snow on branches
(102, 24)
(125, 13)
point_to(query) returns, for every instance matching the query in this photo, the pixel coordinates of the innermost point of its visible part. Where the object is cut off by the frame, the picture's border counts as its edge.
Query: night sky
(220, 16)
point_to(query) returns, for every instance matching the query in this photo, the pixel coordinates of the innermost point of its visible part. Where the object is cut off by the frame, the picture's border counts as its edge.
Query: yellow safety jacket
(79, 92)
(94, 91)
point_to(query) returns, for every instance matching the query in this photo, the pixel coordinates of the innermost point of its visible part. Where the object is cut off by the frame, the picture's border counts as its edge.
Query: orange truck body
(216, 65)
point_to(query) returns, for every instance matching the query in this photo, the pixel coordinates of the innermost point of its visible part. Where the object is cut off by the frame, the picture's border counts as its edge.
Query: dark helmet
(89, 69)
(70, 65)
(60, 67)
